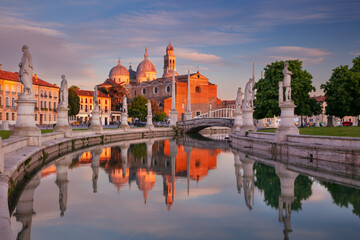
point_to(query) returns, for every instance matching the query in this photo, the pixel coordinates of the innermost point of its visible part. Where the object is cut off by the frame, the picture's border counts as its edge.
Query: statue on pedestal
(248, 99)
(26, 72)
(96, 100)
(238, 100)
(149, 113)
(287, 81)
(64, 93)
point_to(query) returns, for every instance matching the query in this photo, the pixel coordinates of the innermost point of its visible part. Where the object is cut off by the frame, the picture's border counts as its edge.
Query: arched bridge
(197, 124)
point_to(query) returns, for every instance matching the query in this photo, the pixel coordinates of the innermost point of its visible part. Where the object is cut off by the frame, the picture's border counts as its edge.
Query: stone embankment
(19, 160)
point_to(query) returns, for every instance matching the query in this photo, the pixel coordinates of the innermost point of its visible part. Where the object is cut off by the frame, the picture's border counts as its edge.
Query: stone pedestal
(247, 122)
(173, 117)
(95, 122)
(149, 123)
(287, 124)
(187, 115)
(237, 122)
(62, 124)
(5, 125)
(25, 124)
(124, 121)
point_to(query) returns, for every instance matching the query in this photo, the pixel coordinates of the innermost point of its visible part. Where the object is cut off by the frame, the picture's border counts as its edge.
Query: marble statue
(26, 71)
(64, 92)
(248, 95)
(238, 99)
(96, 100)
(287, 81)
(149, 113)
(124, 104)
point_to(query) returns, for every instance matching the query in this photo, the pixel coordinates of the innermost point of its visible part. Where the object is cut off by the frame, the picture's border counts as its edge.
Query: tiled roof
(90, 93)
(14, 76)
(319, 98)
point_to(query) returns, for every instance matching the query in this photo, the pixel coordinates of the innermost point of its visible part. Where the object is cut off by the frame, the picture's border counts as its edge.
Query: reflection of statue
(96, 100)
(124, 104)
(26, 71)
(64, 92)
(248, 95)
(238, 100)
(149, 108)
(287, 81)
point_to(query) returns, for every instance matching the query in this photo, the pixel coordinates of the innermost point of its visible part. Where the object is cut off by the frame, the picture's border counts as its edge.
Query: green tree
(342, 91)
(138, 109)
(267, 94)
(74, 101)
(159, 116)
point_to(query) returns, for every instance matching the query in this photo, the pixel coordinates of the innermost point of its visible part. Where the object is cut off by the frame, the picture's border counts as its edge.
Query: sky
(84, 39)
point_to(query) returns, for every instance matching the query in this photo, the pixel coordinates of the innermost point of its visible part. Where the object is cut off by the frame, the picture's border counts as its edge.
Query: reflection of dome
(169, 74)
(118, 70)
(146, 65)
(145, 181)
(116, 177)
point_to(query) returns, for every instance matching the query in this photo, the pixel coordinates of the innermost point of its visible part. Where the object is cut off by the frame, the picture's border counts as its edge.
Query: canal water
(164, 190)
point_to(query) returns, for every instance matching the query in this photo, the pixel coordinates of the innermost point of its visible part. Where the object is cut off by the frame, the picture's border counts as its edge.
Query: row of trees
(342, 91)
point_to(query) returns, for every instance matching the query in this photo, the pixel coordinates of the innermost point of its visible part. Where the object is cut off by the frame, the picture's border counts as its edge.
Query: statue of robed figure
(26, 72)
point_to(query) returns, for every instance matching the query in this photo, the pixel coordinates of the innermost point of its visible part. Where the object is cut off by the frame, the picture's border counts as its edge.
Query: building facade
(86, 107)
(143, 82)
(46, 95)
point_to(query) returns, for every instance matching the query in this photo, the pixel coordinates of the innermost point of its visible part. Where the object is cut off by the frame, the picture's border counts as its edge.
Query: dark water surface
(142, 191)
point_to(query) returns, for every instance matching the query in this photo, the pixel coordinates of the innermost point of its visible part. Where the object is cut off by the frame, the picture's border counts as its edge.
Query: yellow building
(86, 106)
(46, 95)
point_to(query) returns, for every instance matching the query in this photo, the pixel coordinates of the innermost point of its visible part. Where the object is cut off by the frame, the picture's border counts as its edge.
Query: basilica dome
(169, 74)
(145, 70)
(118, 70)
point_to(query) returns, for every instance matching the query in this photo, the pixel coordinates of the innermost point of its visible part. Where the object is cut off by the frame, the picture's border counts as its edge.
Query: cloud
(355, 53)
(307, 55)
(194, 56)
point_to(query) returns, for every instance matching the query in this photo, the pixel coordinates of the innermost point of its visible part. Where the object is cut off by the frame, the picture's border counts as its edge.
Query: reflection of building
(86, 106)
(143, 82)
(145, 180)
(45, 94)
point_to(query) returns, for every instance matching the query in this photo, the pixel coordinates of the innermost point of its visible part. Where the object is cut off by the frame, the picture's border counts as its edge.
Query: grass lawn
(326, 131)
(4, 134)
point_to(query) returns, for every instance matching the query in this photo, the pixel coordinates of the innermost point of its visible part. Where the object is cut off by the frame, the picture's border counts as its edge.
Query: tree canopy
(116, 93)
(342, 91)
(267, 94)
(74, 101)
(138, 109)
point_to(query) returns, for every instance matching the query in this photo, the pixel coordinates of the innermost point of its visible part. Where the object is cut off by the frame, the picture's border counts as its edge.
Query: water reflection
(144, 163)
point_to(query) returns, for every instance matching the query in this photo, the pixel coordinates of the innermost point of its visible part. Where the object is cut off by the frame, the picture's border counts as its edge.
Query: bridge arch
(197, 124)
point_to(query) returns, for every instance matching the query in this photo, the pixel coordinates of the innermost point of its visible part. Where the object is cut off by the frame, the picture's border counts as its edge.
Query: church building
(144, 82)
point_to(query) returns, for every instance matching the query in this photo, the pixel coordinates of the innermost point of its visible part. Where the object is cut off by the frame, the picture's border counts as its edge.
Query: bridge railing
(218, 113)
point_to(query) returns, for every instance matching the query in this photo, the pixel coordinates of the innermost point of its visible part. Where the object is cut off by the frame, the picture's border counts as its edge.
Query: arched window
(143, 91)
(155, 90)
(197, 89)
(7, 102)
(168, 89)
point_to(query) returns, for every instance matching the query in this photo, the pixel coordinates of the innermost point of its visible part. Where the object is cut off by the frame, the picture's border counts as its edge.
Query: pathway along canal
(170, 189)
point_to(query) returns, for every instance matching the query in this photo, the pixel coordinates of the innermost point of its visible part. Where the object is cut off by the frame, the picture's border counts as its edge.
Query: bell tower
(169, 59)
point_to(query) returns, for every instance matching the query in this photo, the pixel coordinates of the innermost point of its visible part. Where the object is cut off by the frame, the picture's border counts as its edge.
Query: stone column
(95, 121)
(237, 121)
(248, 180)
(287, 196)
(124, 115)
(25, 123)
(62, 167)
(247, 121)
(62, 124)
(95, 164)
(238, 166)
(188, 150)
(287, 125)
(24, 208)
(124, 156)
(188, 113)
(5, 223)
(149, 146)
(173, 112)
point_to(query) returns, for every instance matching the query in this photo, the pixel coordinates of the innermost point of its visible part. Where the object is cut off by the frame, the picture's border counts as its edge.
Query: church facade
(144, 82)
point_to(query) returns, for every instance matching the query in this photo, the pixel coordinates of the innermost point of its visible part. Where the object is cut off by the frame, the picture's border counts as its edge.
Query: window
(155, 90)
(135, 93)
(54, 117)
(13, 102)
(105, 108)
(13, 116)
(13, 88)
(35, 117)
(197, 89)
(105, 101)
(49, 117)
(81, 100)
(90, 107)
(7, 102)
(7, 88)
(49, 104)
(81, 107)
(19, 89)
(90, 100)
(7, 116)
(44, 117)
(1, 103)
(85, 100)
(167, 90)
(54, 105)
(44, 104)
(198, 113)
(86, 109)
(0, 87)
(99, 101)
(41, 104)
(0, 115)
(143, 91)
